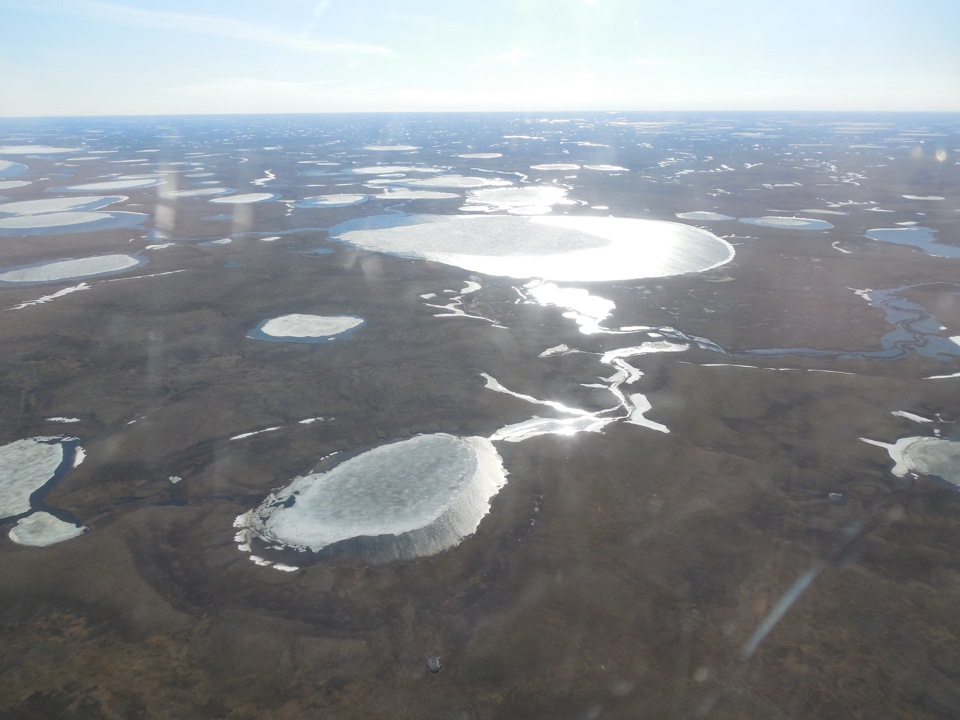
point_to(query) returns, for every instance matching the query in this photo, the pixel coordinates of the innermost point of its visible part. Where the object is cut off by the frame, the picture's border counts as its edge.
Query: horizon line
(482, 112)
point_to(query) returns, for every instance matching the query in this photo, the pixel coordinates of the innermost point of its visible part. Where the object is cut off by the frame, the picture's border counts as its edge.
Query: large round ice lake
(402, 500)
(585, 249)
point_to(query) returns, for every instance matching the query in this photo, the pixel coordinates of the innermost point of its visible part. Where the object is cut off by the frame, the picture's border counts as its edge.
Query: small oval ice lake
(70, 269)
(331, 201)
(302, 328)
(398, 501)
(788, 223)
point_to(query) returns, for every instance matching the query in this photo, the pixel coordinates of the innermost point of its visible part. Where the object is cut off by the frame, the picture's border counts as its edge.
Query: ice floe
(587, 249)
(457, 181)
(558, 167)
(244, 436)
(480, 155)
(244, 199)
(36, 217)
(28, 465)
(531, 200)
(305, 328)
(50, 298)
(392, 169)
(703, 215)
(9, 168)
(201, 192)
(59, 204)
(792, 223)
(401, 500)
(35, 150)
(11, 184)
(389, 148)
(70, 269)
(933, 456)
(41, 529)
(127, 184)
(331, 201)
(408, 194)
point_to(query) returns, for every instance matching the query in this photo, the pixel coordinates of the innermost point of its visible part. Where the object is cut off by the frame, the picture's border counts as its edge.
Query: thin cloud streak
(229, 28)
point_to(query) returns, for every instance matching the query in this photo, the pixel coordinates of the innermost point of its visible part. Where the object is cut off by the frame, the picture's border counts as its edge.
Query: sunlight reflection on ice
(553, 248)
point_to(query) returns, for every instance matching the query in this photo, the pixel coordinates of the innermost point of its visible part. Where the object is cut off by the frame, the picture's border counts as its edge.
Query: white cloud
(229, 28)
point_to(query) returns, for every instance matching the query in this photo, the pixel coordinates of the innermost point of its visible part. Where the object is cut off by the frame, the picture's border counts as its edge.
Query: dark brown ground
(618, 575)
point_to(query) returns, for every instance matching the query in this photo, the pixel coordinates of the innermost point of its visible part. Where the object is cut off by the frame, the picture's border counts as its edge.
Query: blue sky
(126, 57)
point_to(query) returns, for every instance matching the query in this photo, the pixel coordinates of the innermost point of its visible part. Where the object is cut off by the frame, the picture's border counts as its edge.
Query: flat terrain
(623, 573)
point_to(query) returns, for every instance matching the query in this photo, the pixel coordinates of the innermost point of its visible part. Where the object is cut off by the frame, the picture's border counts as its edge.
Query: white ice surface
(555, 166)
(59, 219)
(26, 466)
(339, 200)
(50, 298)
(386, 148)
(196, 193)
(480, 155)
(788, 222)
(424, 494)
(511, 198)
(309, 326)
(569, 248)
(41, 529)
(59, 204)
(703, 215)
(392, 169)
(244, 199)
(35, 150)
(128, 184)
(910, 416)
(407, 194)
(926, 455)
(458, 181)
(66, 269)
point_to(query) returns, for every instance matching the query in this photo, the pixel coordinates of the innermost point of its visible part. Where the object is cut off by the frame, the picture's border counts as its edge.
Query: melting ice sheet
(26, 466)
(403, 500)
(792, 223)
(244, 199)
(703, 215)
(41, 529)
(57, 270)
(554, 248)
(535, 200)
(38, 217)
(934, 456)
(331, 201)
(126, 184)
(305, 328)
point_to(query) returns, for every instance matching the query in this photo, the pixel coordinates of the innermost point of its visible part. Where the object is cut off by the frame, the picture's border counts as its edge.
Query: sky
(130, 57)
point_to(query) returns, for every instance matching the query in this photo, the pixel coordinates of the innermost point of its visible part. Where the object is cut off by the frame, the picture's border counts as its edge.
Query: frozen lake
(619, 414)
